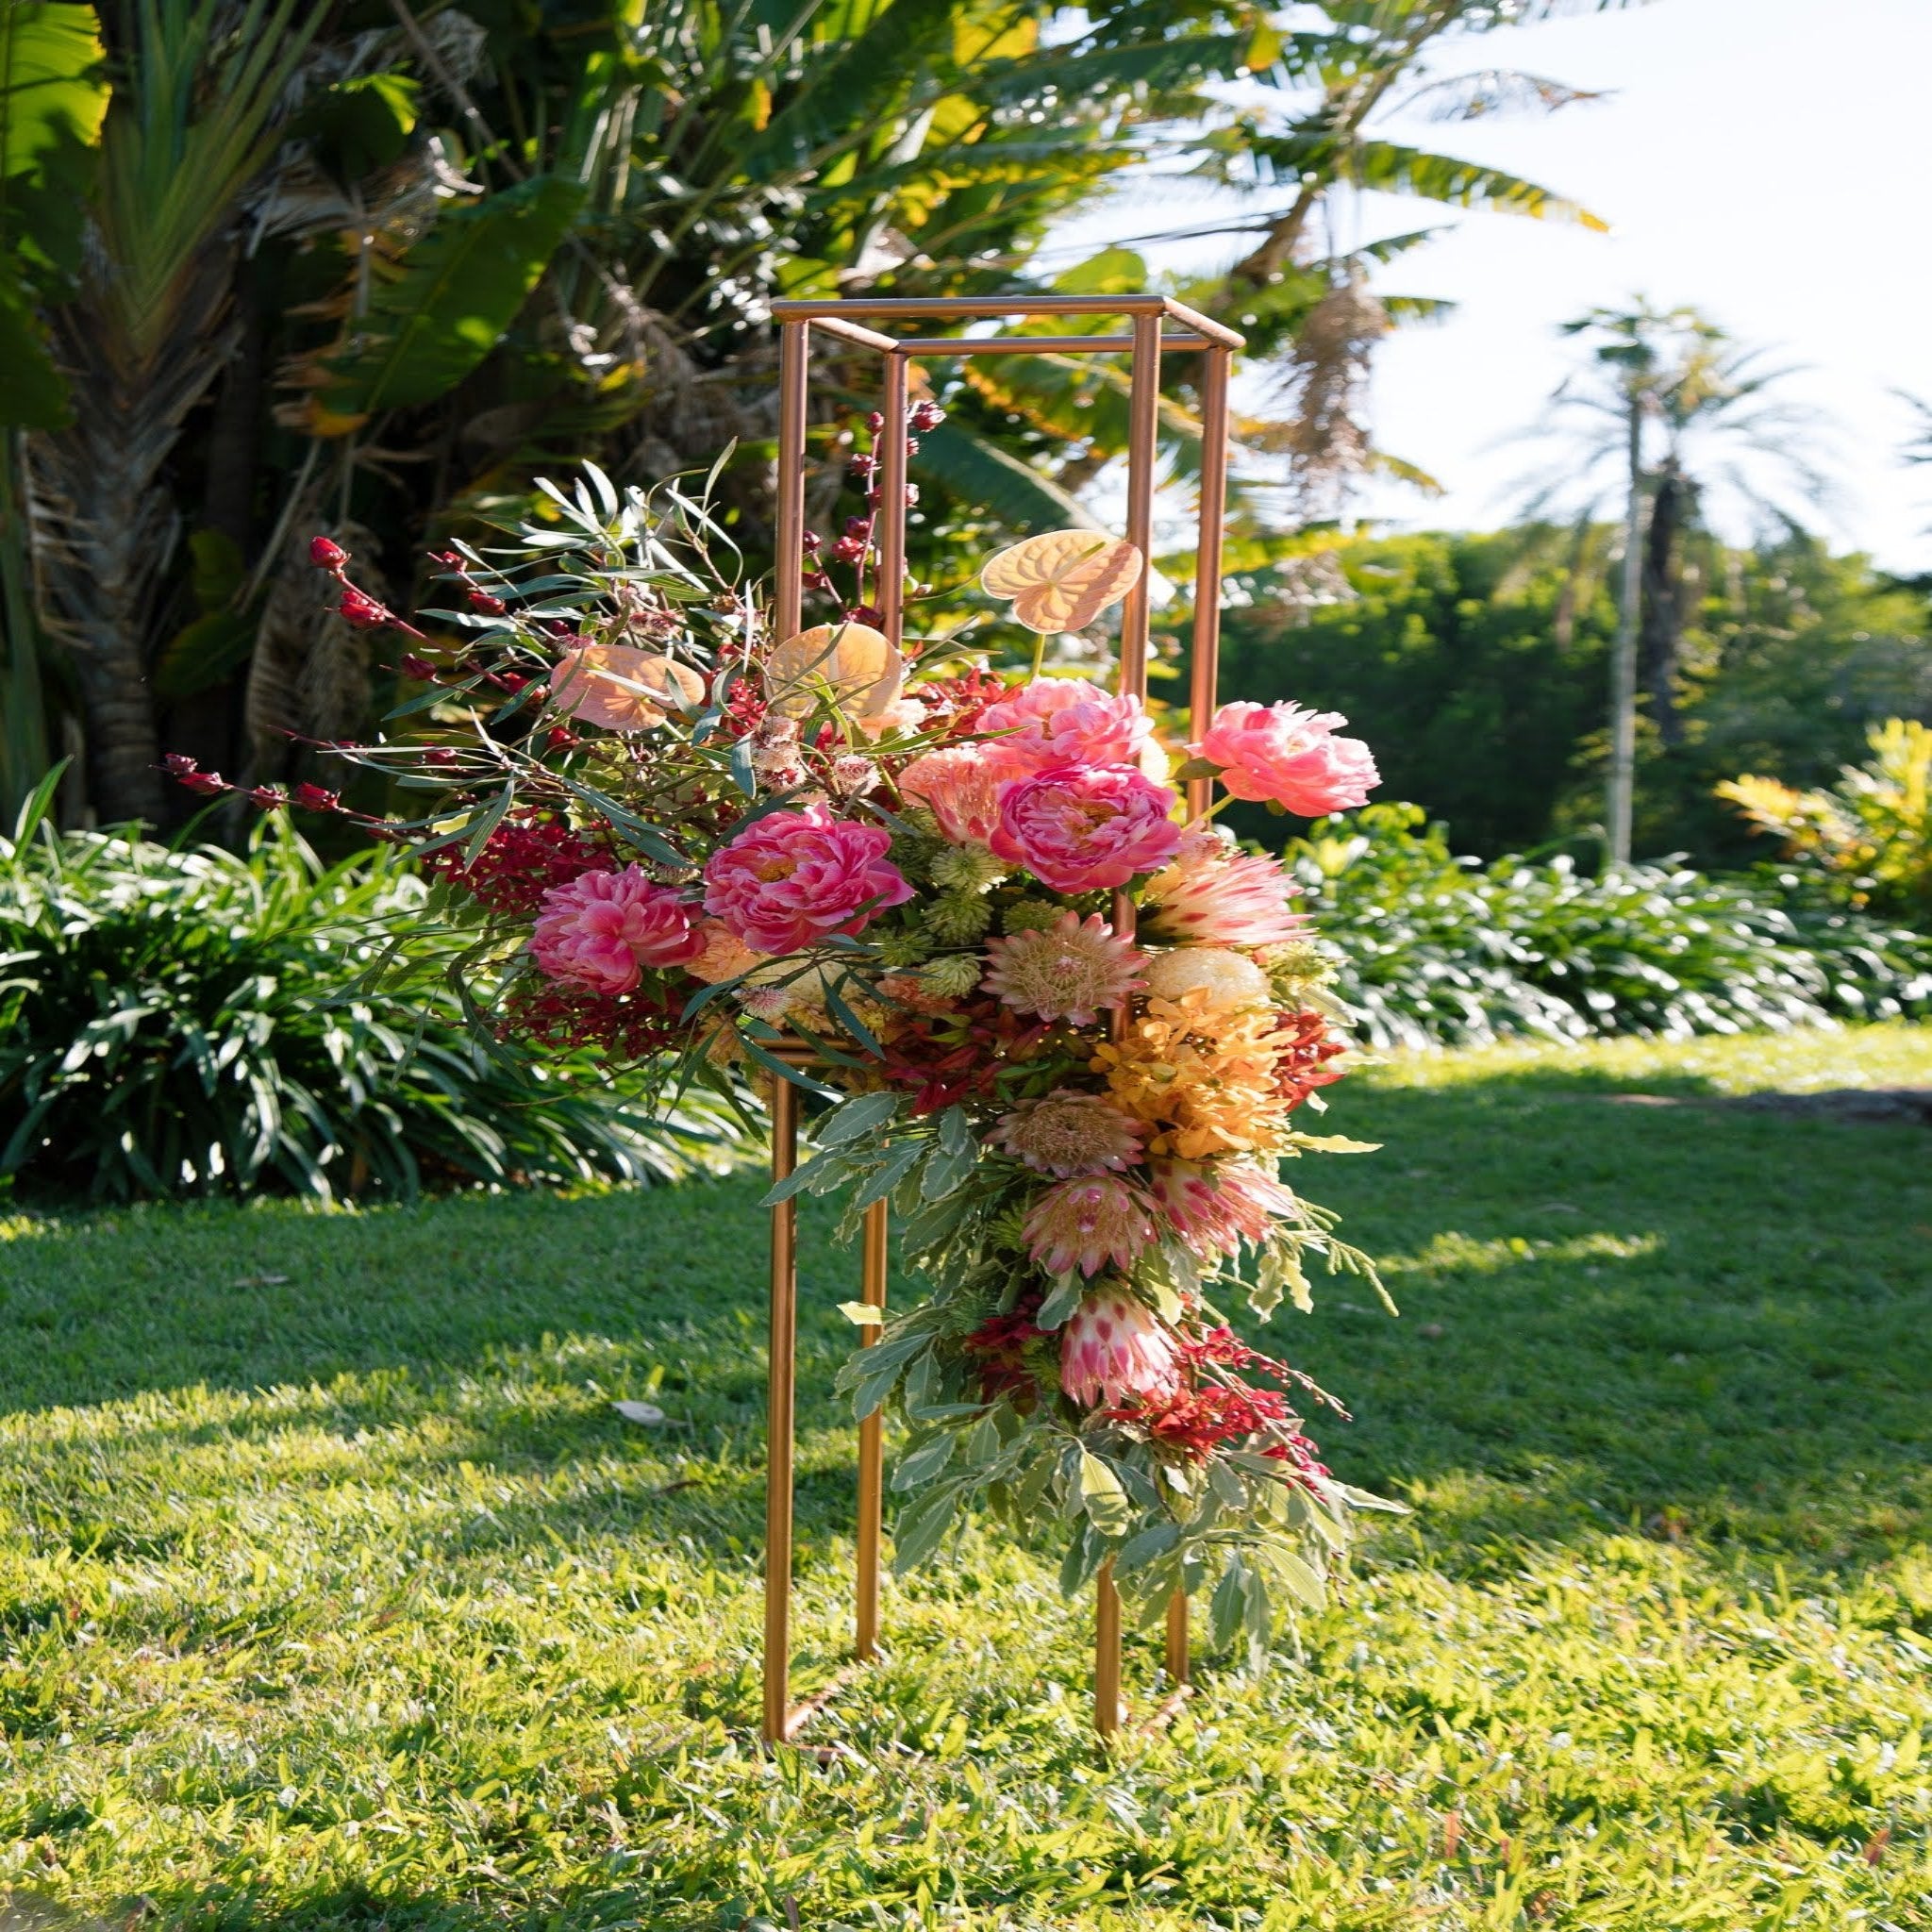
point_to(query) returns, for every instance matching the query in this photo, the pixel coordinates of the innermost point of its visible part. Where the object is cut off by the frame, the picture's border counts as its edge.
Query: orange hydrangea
(1207, 1082)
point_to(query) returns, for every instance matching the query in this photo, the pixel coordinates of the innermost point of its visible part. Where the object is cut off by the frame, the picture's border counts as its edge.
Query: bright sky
(1766, 162)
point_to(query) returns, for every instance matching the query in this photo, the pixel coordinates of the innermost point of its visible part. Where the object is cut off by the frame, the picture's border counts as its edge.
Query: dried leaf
(623, 688)
(861, 666)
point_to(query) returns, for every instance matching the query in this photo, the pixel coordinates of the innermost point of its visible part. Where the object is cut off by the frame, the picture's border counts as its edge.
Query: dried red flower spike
(205, 784)
(360, 610)
(317, 798)
(490, 607)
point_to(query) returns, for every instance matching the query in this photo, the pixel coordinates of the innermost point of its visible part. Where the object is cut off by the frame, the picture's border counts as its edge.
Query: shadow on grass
(1698, 1322)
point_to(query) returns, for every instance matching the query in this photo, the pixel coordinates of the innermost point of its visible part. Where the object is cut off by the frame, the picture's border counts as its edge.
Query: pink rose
(1292, 756)
(1066, 720)
(1078, 828)
(795, 876)
(603, 928)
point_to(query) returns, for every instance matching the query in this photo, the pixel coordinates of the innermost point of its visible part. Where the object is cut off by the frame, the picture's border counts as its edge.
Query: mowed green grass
(333, 1592)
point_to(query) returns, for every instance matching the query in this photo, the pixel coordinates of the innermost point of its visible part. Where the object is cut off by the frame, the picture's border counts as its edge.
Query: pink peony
(1066, 721)
(1073, 969)
(1085, 1224)
(959, 784)
(1216, 1205)
(1292, 756)
(604, 927)
(1223, 897)
(1068, 1134)
(1078, 828)
(1114, 1347)
(795, 876)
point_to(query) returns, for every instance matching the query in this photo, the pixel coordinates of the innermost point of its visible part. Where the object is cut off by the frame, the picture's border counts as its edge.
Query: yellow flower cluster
(1204, 1079)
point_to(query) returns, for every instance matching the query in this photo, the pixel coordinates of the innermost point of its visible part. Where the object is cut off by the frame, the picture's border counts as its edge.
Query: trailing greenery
(1435, 948)
(348, 1599)
(190, 1021)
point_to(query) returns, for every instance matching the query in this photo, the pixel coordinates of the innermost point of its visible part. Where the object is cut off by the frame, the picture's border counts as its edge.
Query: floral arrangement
(1068, 1033)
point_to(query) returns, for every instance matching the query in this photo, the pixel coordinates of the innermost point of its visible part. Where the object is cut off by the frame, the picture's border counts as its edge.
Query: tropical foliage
(274, 266)
(1868, 837)
(184, 1021)
(1487, 655)
(1437, 950)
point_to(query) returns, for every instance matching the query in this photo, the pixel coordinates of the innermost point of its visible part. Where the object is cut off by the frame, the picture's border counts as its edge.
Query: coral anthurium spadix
(1068, 1033)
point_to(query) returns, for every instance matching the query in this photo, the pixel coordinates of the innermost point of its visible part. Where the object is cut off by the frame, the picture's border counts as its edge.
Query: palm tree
(1670, 419)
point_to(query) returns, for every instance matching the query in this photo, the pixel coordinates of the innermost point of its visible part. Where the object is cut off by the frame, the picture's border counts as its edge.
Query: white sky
(1766, 161)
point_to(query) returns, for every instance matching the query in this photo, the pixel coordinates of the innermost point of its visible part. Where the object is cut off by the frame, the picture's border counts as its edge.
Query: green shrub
(189, 1022)
(1447, 950)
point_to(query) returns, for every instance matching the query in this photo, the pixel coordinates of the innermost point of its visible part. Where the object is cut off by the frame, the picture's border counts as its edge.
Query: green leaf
(920, 1528)
(919, 1465)
(447, 302)
(856, 1118)
(984, 473)
(34, 395)
(1101, 1494)
(888, 1176)
(53, 87)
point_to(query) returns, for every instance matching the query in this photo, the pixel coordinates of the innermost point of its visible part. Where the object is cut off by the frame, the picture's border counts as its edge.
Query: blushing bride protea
(1114, 1347)
(1069, 1134)
(1070, 969)
(1215, 1206)
(1214, 895)
(1086, 1223)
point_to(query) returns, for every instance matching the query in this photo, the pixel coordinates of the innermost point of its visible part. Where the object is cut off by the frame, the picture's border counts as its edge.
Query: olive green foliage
(348, 1600)
(1437, 948)
(185, 1021)
(1477, 666)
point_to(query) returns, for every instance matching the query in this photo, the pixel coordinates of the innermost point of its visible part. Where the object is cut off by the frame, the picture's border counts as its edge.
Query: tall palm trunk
(1660, 640)
(1624, 654)
(143, 341)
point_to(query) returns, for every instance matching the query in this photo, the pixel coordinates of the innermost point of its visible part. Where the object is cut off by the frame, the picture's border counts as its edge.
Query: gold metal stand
(1158, 326)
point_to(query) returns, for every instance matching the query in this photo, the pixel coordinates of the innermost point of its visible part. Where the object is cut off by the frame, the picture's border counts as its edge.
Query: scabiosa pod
(1114, 1350)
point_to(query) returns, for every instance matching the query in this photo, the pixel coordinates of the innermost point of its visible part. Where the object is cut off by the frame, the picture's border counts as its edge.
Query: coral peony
(1066, 721)
(1223, 897)
(1291, 756)
(1069, 1134)
(1070, 969)
(797, 877)
(1086, 1223)
(1229, 982)
(603, 928)
(1079, 828)
(961, 785)
(1114, 1347)
(1216, 1205)
(725, 954)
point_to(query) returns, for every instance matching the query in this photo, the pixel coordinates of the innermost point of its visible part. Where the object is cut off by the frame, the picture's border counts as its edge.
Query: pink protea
(1223, 897)
(1291, 756)
(1216, 1205)
(1114, 1347)
(603, 928)
(1074, 969)
(797, 877)
(1069, 1134)
(1086, 1223)
(1079, 828)
(959, 784)
(1066, 721)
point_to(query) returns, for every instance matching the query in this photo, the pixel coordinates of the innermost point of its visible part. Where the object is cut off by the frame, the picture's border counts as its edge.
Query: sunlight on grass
(334, 1594)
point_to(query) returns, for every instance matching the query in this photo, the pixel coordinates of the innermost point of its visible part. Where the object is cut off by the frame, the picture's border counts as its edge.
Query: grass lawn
(333, 1592)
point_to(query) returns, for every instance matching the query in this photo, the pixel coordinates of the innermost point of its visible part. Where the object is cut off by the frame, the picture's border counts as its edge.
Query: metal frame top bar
(991, 308)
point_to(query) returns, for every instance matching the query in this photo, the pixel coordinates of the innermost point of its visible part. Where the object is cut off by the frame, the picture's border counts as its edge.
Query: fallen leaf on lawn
(261, 1281)
(646, 1412)
(1063, 580)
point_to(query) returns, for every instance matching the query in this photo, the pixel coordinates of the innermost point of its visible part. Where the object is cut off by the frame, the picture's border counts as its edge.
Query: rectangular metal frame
(1149, 338)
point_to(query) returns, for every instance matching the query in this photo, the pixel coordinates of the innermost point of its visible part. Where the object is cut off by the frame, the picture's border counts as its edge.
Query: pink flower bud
(326, 554)
(360, 610)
